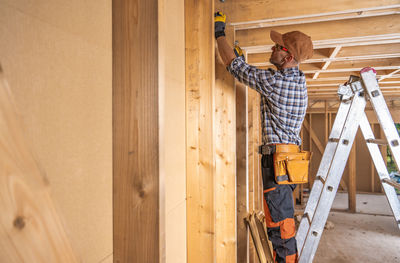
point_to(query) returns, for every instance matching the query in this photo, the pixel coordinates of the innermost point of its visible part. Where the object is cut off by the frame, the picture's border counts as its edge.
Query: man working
(283, 107)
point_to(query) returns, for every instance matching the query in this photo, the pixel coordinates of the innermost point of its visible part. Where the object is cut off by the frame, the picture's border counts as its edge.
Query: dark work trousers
(279, 214)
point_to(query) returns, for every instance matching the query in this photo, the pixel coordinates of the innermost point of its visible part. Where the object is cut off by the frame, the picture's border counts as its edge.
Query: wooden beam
(30, 228)
(326, 123)
(241, 173)
(252, 165)
(261, 10)
(260, 59)
(318, 143)
(371, 163)
(135, 131)
(225, 161)
(352, 179)
(335, 84)
(314, 137)
(388, 75)
(369, 50)
(319, 17)
(350, 28)
(258, 190)
(335, 51)
(199, 131)
(172, 109)
(320, 45)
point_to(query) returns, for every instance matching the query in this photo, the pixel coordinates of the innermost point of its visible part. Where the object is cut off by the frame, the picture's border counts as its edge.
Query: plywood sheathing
(136, 131)
(30, 228)
(57, 58)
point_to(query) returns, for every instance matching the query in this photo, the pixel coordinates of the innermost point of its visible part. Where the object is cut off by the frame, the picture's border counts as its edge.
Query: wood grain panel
(199, 131)
(288, 8)
(241, 173)
(172, 121)
(135, 131)
(352, 179)
(225, 161)
(253, 166)
(331, 30)
(30, 228)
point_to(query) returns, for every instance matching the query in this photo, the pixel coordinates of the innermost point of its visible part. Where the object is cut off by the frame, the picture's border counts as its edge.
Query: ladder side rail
(382, 112)
(381, 168)
(322, 172)
(333, 179)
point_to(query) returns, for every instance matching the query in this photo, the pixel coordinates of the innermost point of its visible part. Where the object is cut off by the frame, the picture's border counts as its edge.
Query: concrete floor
(370, 235)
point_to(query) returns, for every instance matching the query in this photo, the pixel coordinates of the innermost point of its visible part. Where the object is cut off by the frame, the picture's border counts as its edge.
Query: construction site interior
(123, 137)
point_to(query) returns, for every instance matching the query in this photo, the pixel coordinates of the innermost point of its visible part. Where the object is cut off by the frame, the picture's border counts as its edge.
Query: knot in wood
(19, 222)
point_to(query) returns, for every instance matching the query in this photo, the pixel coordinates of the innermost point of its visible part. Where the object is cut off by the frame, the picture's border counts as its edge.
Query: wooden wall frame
(135, 131)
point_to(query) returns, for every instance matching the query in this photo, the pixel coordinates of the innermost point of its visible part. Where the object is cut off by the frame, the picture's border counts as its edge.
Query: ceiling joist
(345, 41)
(320, 17)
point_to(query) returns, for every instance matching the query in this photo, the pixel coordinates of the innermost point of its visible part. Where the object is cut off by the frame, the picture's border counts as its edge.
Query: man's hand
(219, 24)
(238, 51)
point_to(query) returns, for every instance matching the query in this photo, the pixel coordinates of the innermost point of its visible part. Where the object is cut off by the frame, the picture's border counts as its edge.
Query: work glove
(219, 24)
(238, 51)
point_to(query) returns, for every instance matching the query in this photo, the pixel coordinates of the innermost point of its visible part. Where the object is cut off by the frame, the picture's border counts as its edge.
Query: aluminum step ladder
(350, 116)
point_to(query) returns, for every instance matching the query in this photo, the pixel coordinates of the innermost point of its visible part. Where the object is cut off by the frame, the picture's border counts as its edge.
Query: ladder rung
(333, 139)
(308, 218)
(392, 183)
(320, 178)
(377, 141)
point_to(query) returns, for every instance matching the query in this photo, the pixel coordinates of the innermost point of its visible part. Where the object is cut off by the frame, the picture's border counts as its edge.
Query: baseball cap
(298, 44)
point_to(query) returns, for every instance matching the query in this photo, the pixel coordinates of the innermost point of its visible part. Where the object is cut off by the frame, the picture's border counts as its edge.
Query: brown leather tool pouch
(291, 166)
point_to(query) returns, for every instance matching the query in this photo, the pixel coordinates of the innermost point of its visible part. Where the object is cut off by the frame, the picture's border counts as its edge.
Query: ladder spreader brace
(351, 115)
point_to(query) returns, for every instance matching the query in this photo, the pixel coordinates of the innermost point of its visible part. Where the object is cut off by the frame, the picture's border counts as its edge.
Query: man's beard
(275, 63)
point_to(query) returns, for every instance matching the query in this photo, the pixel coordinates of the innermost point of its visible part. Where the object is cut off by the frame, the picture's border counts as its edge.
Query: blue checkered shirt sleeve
(262, 80)
(283, 99)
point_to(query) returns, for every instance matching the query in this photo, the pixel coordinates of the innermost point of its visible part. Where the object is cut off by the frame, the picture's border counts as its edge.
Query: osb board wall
(56, 56)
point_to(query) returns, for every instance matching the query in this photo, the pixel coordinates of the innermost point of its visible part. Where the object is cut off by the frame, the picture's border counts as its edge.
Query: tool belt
(290, 164)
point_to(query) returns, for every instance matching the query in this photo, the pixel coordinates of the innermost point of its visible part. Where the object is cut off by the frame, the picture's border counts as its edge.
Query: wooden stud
(311, 136)
(352, 179)
(258, 204)
(135, 131)
(372, 165)
(242, 173)
(326, 123)
(384, 149)
(251, 94)
(199, 131)
(314, 138)
(172, 130)
(225, 161)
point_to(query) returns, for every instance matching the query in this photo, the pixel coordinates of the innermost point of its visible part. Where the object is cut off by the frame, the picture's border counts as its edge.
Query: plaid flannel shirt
(283, 99)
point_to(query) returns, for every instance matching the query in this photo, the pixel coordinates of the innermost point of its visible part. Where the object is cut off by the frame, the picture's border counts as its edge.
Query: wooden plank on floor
(135, 131)
(30, 228)
(199, 131)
